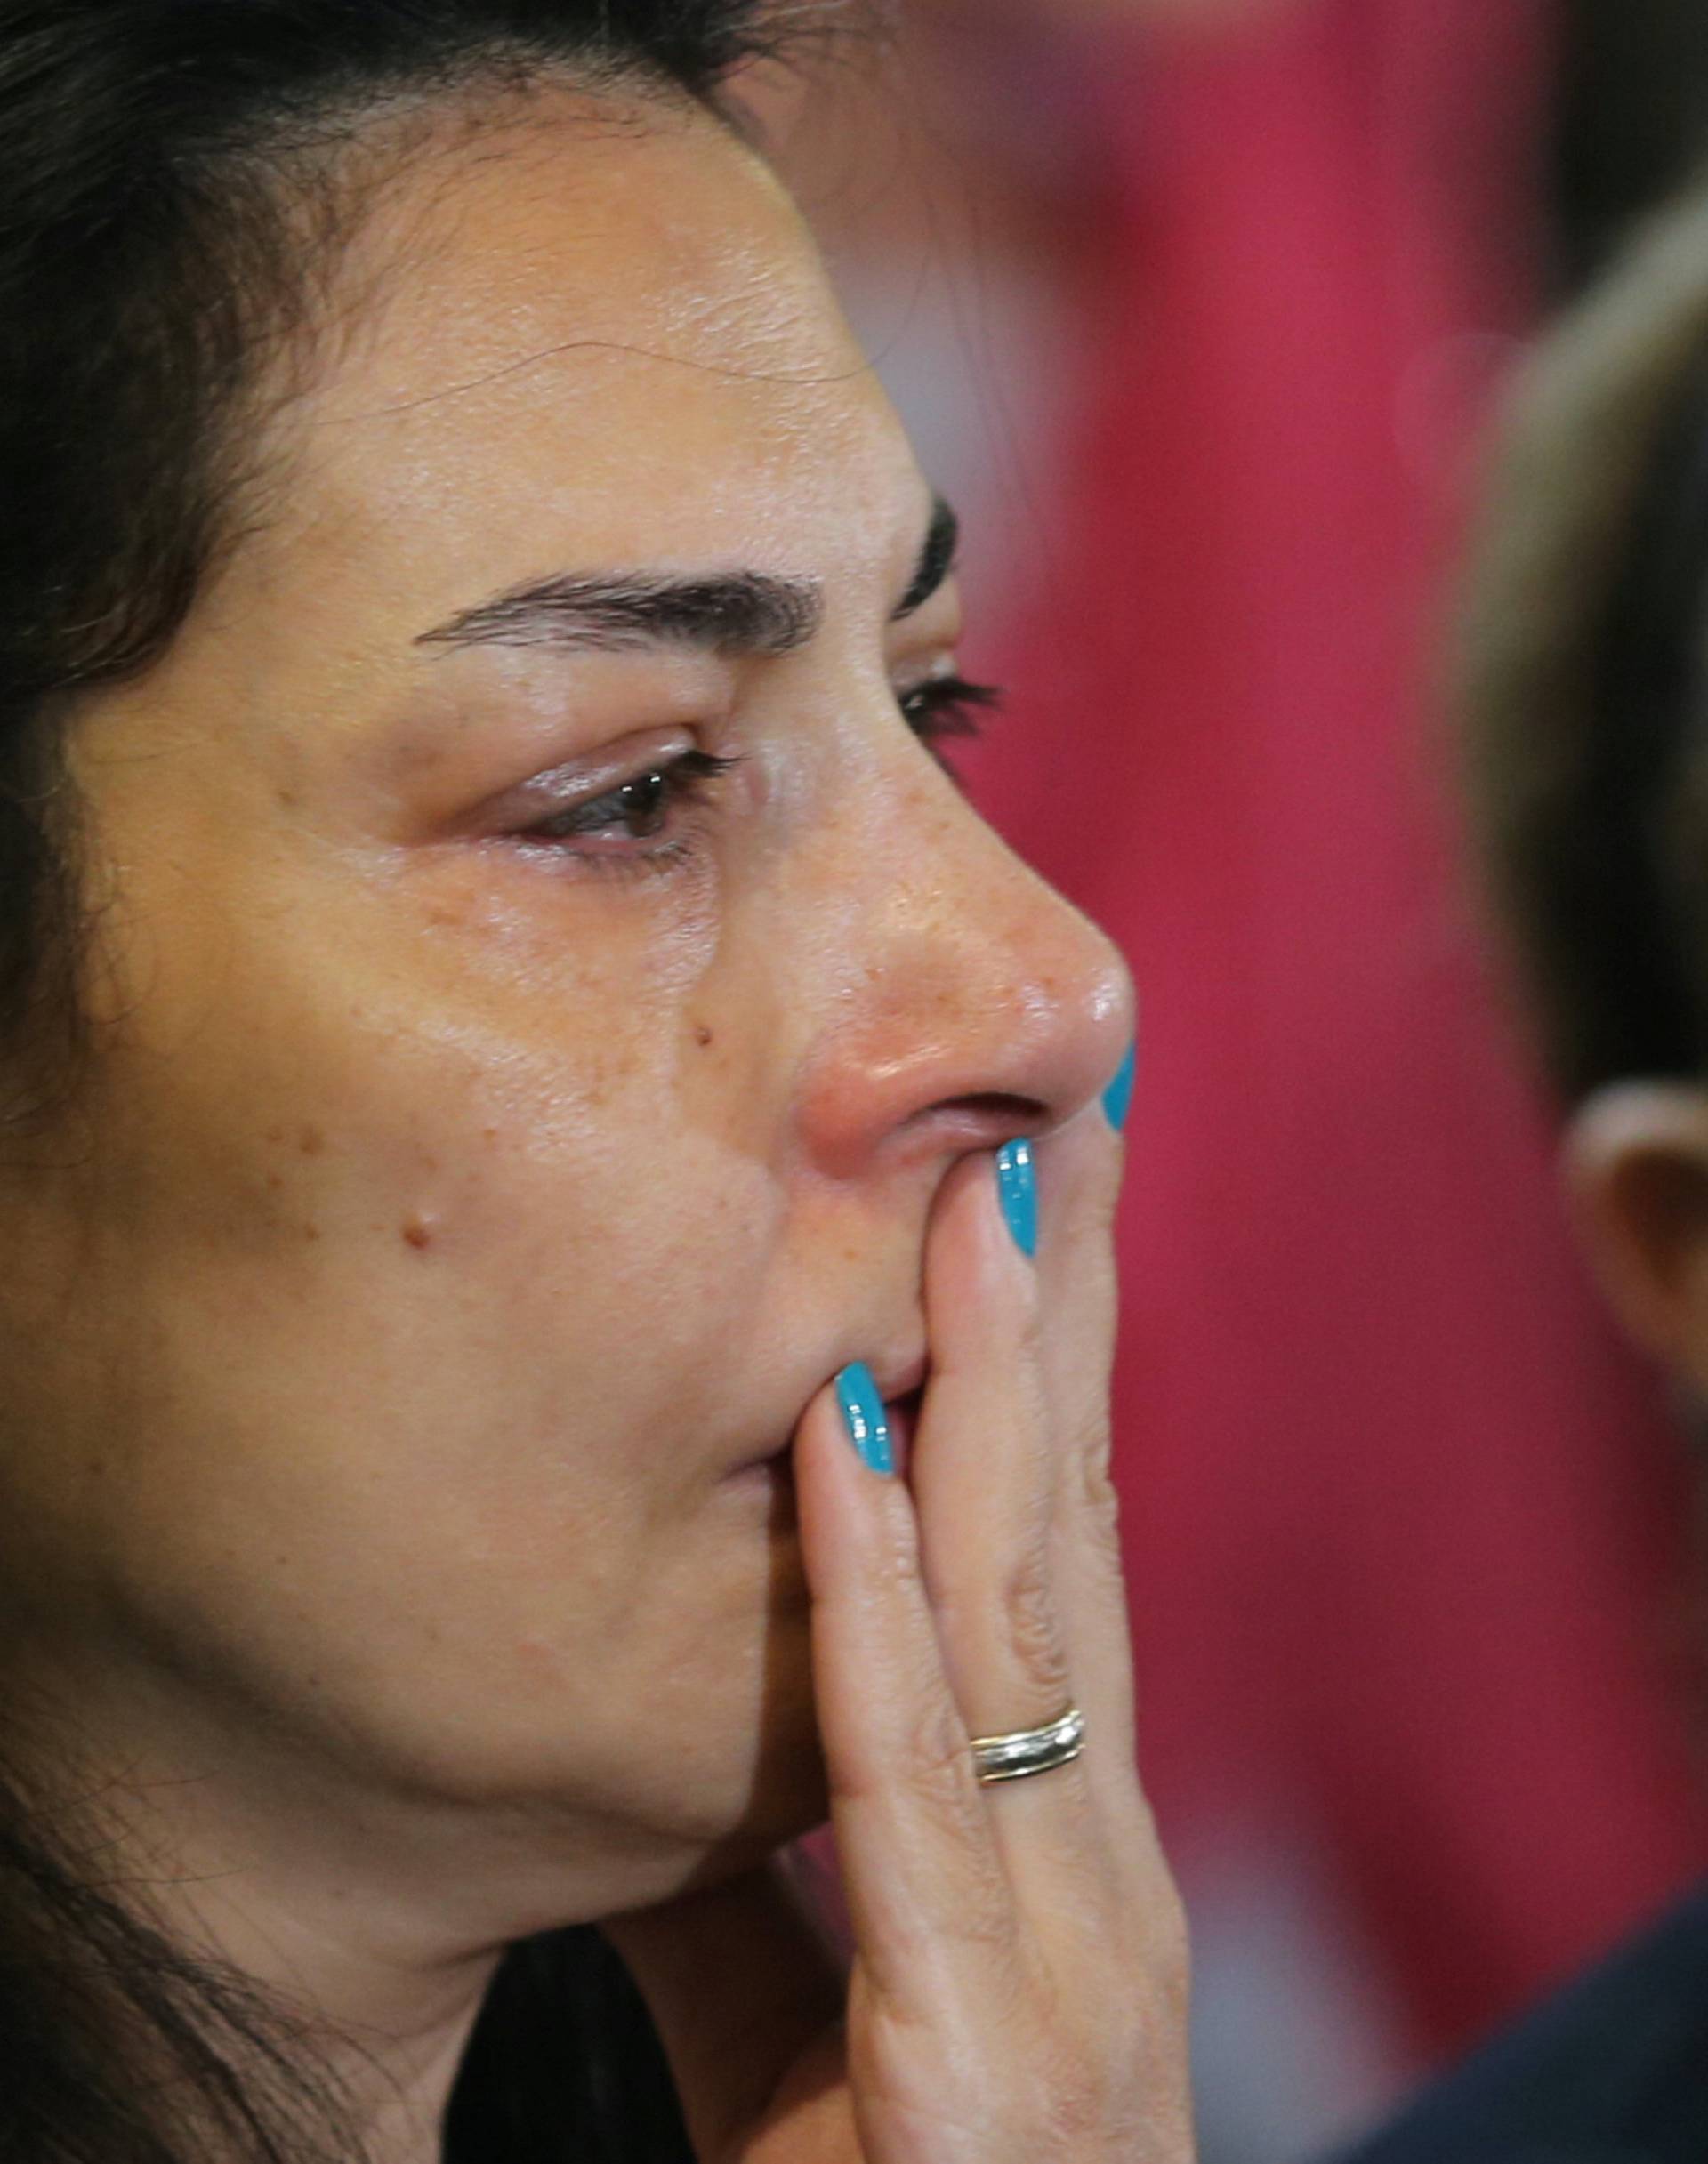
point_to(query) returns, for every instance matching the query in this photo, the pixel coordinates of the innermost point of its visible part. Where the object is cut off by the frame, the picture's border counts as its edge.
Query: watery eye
(639, 810)
(641, 806)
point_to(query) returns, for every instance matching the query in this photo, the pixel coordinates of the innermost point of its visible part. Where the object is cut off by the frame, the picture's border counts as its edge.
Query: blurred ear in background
(1198, 310)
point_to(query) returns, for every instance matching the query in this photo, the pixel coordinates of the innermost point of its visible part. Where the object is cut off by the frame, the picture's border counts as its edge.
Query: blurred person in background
(1631, 107)
(1407, 1524)
(1586, 704)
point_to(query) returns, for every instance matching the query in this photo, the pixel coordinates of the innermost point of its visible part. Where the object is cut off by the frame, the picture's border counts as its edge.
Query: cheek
(494, 1231)
(422, 1369)
(397, 1054)
(478, 1185)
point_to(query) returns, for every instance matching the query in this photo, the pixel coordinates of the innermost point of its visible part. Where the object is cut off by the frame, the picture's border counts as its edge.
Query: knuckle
(939, 1757)
(1028, 1339)
(1100, 1500)
(1092, 1507)
(1030, 1623)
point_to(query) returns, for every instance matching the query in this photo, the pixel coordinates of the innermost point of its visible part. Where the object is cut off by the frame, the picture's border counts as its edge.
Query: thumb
(739, 1979)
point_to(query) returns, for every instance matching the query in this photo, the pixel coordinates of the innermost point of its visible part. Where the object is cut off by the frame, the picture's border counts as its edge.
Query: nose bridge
(997, 941)
(967, 977)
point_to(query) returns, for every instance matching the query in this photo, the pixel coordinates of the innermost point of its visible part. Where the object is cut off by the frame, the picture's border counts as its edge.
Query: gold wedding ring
(1029, 1750)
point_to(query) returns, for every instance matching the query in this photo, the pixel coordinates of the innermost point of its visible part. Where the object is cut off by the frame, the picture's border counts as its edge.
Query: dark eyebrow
(936, 560)
(737, 613)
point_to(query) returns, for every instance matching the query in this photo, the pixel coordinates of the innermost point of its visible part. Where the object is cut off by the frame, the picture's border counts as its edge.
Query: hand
(1017, 1993)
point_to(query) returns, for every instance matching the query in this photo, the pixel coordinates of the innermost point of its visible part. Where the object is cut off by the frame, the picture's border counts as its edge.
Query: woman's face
(478, 1166)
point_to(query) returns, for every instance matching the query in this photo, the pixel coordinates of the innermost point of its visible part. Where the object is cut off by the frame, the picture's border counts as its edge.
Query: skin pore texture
(450, 1210)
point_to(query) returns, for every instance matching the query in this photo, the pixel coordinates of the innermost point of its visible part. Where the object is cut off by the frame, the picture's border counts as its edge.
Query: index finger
(921, 1869)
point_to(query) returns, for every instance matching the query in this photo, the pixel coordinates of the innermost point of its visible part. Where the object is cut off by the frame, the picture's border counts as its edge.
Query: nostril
(1000, 1105)
(983, 1119)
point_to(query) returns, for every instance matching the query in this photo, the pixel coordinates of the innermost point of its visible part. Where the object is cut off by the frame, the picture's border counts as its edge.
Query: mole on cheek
(703, 1037)
(417, 1232)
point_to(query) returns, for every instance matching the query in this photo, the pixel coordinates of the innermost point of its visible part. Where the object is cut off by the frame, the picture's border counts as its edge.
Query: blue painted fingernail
(1118, 1098)
(1017, 1183)
(864, 1417)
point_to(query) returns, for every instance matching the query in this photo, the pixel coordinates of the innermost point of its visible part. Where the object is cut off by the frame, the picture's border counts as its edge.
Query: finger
(984, 1480)
(1079, 1169)
(926, 1891)
(1079, 1172)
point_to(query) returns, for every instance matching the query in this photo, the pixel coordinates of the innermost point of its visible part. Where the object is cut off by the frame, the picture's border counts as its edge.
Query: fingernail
(1017, 1183)
(864, 1417)
(1118, 1098)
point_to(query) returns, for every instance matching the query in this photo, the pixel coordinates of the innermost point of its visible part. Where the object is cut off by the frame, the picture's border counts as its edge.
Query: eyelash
(688, 780)
(946, 706)
(941, 707)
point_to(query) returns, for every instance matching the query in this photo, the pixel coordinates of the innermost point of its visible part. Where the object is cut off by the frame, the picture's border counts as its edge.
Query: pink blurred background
(1198, 309)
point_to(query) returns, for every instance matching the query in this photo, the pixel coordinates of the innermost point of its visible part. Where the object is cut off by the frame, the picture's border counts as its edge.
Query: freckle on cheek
(311, 1142)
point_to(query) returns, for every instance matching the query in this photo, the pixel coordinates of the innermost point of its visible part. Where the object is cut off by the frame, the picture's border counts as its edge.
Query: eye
(646, 809)
(946, 706)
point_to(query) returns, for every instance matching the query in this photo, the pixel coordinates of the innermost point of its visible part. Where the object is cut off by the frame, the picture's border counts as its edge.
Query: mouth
(902, 1417)
(901, 1421)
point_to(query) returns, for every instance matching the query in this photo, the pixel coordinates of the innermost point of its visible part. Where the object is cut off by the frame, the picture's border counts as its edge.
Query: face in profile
(541, 979)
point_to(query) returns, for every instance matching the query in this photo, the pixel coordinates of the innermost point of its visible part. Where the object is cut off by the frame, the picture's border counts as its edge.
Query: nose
(969, 1001)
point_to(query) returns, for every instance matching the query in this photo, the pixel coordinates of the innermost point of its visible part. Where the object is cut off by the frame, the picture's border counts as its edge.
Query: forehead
(597, 334)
